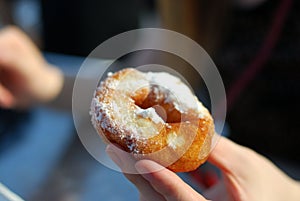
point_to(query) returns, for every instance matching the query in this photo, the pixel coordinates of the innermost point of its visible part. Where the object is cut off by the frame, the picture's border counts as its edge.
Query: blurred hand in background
(25, 76)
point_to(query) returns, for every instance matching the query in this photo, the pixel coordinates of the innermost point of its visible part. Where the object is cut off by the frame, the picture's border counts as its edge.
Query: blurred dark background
(255, 46)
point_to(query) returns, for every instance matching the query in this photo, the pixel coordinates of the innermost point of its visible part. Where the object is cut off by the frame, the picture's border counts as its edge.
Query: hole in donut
(161, 112)
(158, 98)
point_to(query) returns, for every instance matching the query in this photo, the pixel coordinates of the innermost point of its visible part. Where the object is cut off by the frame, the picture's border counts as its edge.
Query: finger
(142, 198)
(7, 60)
(166, 182)
(144, 187)
(233, 161)
(218, 192)
(122, 158)
(15, 51)
(125, 162)
(6, 98)
(228, 156)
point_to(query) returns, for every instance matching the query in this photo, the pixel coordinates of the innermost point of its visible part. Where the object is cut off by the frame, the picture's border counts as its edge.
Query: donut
(153, 115)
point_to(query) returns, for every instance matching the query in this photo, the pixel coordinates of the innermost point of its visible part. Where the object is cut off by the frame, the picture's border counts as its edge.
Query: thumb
(228, 156)
(237, 163)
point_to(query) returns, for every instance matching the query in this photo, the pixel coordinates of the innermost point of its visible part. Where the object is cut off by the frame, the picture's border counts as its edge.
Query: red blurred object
(205, 178)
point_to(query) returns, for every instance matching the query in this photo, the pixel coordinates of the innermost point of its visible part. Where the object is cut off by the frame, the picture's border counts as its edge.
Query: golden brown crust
(182, 143)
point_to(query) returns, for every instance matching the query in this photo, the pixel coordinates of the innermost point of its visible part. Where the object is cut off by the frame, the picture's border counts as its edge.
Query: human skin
(246, 176)
(26, 78)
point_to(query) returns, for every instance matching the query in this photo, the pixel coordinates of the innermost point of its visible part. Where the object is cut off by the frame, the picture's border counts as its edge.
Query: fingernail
(147, 166)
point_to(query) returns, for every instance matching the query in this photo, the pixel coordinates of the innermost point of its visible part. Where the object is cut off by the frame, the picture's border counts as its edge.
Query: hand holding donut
(246, 176)
(124, 112)
(25, 77)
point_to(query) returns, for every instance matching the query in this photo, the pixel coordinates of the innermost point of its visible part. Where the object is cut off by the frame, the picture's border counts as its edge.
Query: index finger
(166, 182)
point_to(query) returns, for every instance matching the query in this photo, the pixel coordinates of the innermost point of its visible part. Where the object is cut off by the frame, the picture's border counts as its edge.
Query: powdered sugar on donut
(149, 113)
(114, 109)
(177, 92)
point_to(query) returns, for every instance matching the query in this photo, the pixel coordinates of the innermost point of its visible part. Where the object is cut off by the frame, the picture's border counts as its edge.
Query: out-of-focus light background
(255, 45)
